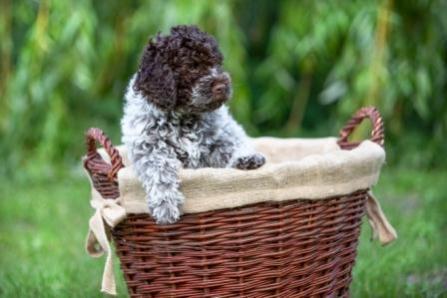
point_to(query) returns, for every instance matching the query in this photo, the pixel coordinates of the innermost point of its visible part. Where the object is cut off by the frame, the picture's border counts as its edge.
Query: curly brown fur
(171, 64)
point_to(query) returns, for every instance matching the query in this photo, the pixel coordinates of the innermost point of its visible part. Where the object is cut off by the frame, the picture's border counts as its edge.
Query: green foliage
(299, 68)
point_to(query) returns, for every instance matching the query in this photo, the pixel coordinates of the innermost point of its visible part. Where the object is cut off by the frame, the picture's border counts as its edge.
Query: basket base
(298, 248)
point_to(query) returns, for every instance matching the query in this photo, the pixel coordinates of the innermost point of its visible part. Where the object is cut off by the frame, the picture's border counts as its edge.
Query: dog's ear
(155, 78)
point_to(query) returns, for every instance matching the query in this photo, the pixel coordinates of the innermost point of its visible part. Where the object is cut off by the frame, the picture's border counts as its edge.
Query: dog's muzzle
(211, 91)
(221, 87)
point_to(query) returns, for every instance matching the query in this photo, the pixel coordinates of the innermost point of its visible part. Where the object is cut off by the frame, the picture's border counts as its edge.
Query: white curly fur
(160, 142)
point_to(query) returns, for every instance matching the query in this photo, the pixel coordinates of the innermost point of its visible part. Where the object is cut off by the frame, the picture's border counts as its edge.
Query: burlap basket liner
(295, 168)
(314, 169)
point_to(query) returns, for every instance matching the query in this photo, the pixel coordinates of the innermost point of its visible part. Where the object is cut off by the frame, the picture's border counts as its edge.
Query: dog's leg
(249, 162)
(245, 157)
(233, 147)
(157, 170)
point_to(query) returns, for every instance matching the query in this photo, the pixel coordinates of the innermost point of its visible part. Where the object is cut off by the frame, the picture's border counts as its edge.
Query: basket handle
(377, 134)
(94, 135)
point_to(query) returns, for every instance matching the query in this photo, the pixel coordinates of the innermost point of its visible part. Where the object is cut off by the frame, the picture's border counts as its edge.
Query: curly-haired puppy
(175, 116)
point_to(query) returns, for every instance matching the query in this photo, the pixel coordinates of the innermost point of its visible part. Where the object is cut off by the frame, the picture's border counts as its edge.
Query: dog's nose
(219, 88)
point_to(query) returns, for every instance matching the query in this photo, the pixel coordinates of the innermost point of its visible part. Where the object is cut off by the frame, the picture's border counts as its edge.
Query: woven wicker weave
(299, 248)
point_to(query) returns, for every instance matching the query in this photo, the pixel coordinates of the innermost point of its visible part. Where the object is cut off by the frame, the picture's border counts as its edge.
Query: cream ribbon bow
(110, 212)
(380, 225)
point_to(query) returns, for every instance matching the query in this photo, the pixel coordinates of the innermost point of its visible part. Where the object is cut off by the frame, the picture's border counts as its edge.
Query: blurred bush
(300, 68)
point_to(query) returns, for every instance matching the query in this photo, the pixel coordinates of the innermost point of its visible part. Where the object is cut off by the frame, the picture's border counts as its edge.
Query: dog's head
(183, 70)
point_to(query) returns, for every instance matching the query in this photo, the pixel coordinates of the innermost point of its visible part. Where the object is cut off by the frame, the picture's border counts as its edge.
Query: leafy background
(300, 69)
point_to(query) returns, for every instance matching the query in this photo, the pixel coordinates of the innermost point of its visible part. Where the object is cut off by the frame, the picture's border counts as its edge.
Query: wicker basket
(298, 248)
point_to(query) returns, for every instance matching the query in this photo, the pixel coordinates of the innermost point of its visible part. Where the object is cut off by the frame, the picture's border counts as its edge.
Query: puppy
(174, 117)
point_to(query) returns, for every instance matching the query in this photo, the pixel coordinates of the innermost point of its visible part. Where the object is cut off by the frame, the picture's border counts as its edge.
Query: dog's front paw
(166, 214)
(166, 210)
(249, 162)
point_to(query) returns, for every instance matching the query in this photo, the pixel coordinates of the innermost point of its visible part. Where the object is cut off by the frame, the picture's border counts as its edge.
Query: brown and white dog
(175, 117)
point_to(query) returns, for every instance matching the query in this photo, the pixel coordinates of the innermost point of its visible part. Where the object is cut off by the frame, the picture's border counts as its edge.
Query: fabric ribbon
(380, 225)
(97, 243)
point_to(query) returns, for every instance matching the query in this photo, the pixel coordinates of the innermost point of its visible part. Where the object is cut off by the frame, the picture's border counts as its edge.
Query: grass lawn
(43, 226)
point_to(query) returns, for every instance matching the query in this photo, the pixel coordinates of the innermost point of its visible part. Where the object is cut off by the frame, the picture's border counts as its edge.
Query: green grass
(416, 264)
(43, 226)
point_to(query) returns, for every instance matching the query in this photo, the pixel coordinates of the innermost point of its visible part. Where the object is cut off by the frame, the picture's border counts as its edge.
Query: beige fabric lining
(295, 168)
